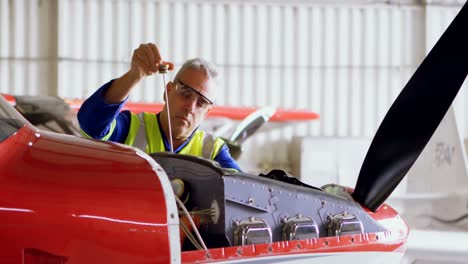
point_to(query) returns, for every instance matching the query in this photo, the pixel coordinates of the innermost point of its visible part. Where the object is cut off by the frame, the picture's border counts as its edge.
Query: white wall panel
(25, 46)
(4, 30)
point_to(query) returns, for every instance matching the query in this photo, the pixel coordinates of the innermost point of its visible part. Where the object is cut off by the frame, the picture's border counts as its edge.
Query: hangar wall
(346, 60)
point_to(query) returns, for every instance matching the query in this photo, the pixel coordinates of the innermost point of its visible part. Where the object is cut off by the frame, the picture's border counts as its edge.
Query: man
(190, 98)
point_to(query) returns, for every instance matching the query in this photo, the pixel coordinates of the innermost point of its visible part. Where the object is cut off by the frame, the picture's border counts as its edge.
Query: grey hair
(199, 64)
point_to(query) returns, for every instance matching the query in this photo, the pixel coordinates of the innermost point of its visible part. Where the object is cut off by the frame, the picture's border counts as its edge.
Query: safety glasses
(188, 92)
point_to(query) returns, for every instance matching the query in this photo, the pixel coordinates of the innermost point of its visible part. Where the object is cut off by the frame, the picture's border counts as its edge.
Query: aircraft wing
(230, 112)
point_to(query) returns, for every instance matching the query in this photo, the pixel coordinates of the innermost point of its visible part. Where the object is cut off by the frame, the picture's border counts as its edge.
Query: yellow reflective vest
(145, 134)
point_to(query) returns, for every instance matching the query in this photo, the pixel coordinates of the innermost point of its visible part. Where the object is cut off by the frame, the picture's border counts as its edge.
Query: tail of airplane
(435, 194)
(442, 167)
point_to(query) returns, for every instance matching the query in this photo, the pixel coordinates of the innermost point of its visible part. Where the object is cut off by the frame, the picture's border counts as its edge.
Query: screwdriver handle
(163, 68)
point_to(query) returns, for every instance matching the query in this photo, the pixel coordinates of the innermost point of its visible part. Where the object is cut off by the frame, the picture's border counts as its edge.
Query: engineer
(190, 97)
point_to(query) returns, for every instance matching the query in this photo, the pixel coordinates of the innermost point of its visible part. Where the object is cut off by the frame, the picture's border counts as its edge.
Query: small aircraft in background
(230, 112)
(67, 199)
(233, 124)
(41, 105)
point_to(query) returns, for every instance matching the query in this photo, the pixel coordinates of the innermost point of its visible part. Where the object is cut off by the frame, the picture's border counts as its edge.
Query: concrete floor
(431, 247)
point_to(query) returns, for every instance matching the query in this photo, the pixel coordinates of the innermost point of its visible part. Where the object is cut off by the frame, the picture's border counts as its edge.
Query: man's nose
(191, 104)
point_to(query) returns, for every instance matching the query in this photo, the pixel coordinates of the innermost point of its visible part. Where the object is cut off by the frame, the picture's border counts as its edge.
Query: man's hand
(146, 61)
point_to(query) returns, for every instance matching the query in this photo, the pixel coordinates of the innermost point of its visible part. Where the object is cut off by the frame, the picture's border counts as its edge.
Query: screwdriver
(163, 69)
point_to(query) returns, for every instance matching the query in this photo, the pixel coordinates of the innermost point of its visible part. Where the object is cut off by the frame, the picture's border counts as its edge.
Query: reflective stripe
(208, 142)
(153, 134)
(140, 139)
(84, 134)
(132, 130)
(145, 134)
(137, 132)
(219, 143)
(104, 138)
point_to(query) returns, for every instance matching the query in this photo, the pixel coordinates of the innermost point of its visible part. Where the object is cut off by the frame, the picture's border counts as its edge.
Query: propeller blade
(415, 115)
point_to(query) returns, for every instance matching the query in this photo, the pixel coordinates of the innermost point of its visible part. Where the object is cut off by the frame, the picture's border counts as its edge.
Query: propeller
(415, 115)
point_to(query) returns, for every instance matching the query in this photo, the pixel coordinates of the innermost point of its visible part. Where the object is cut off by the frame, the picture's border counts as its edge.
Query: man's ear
(207, 111)
(169, 87)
